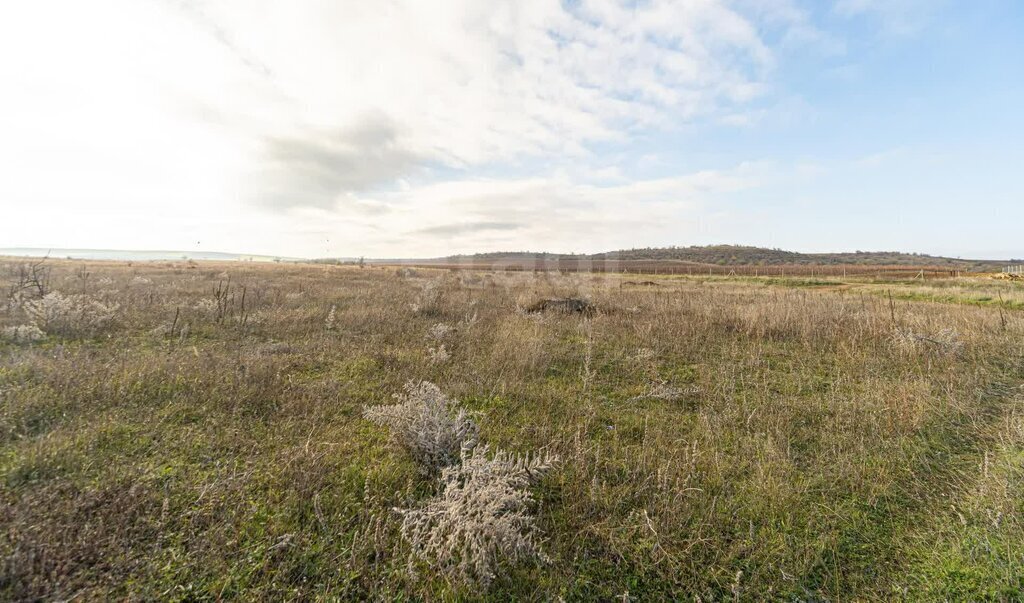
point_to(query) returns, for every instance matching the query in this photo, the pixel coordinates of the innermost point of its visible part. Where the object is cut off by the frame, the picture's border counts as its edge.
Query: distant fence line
(1019, 269)
(669, 268)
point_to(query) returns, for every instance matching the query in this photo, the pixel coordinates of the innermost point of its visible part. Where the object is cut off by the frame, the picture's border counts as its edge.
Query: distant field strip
(686, 268)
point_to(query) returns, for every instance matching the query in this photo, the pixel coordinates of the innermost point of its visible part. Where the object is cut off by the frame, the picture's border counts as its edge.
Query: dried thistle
(481, 516)
(427, 424)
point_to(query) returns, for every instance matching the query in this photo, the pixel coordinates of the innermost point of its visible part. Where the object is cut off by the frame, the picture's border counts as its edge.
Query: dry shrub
(482, 515)
(426, 423)
(22, 334)
(440, 331)
(428, 299)
(205, 307)
(568, 305)
(70, 315)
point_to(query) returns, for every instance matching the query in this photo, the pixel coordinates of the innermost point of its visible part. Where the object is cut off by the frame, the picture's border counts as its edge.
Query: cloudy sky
(391, 128)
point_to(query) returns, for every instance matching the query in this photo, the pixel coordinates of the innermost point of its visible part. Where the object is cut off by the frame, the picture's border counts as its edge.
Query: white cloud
(464, 84)
(550, 213)
(228, 121)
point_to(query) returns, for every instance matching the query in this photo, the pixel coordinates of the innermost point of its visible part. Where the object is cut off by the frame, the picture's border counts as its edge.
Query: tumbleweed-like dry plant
(428, 424)
(481, 517)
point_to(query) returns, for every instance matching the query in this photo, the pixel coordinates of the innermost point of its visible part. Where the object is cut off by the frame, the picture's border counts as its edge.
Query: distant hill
(738, 255)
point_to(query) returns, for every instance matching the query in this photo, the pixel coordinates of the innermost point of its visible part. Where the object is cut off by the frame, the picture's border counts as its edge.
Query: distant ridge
(739, 255)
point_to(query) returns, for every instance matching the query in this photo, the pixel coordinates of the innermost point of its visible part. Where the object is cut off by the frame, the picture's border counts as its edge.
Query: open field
(195, 431)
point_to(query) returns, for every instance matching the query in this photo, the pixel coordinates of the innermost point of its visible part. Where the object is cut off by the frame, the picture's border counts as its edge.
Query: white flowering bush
(13, 302)
(482, 515)
(427, 424)
(70, 315)
(22, 334)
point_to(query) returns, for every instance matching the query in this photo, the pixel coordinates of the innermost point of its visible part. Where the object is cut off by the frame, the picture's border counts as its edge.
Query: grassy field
(196, 432)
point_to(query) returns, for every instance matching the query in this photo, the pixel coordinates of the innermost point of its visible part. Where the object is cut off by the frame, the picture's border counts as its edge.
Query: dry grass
(719, 438)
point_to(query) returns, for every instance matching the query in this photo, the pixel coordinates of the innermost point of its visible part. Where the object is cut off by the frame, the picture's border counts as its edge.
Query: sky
(394, 128)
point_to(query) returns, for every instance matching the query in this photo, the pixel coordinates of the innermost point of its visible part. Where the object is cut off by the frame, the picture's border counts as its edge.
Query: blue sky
(400, 128)
(911, 135)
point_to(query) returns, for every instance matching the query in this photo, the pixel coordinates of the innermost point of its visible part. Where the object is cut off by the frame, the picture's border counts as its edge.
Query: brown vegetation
(720, 438)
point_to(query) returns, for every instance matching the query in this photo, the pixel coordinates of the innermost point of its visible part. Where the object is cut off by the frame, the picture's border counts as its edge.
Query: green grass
(807, 455)
(975, 300)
